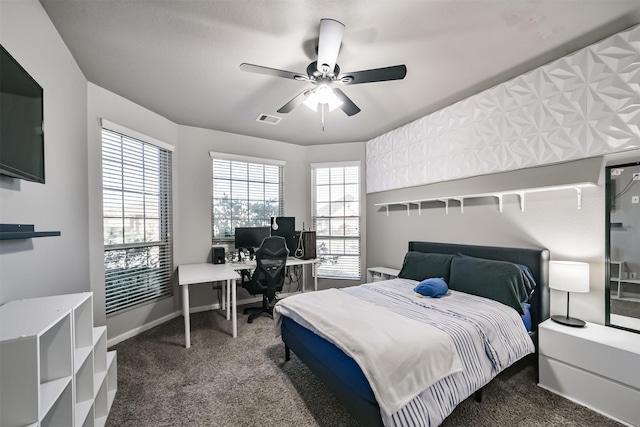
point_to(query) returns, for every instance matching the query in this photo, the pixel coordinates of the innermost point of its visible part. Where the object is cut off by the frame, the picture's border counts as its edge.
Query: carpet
(227, 382)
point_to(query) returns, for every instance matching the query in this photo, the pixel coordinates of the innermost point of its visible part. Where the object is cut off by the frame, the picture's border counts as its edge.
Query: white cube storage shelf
(55, 363)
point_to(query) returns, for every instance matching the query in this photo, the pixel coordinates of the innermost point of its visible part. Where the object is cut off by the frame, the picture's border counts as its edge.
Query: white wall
(71, 199)
(550, 220)
(196, 183)
(193, 238)
(582, 105)
(49, 265)
(192, 194)
(562, 111)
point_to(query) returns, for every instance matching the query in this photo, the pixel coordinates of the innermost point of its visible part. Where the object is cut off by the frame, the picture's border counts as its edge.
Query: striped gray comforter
(488, 335)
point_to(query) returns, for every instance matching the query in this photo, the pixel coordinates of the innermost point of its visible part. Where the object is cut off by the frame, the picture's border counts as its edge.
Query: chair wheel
(249, 320)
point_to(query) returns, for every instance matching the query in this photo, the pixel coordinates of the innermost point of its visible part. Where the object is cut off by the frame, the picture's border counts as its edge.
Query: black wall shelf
(23, 231)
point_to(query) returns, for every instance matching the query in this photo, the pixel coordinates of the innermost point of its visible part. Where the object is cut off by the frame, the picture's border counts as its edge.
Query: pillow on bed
(498, 280)
(529, 281)
(526, 317)
(434, 287)
(419, 266)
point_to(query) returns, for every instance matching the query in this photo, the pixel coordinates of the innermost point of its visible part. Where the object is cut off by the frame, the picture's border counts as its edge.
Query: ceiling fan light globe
(312, 101)
(334, 103)
(324, 94)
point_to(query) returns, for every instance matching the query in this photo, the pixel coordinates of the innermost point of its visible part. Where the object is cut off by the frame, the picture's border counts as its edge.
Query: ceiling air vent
(265, 118)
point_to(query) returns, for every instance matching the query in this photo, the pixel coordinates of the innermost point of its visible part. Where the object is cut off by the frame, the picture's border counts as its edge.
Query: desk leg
(234, 313)
(315, 277)
(226, 303)
(185, 314)
(223, 301)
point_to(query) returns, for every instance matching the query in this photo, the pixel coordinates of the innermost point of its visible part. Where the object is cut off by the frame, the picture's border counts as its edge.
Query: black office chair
(268, 277)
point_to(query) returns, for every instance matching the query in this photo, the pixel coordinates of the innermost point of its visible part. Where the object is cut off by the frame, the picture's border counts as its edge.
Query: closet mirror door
(623, 246)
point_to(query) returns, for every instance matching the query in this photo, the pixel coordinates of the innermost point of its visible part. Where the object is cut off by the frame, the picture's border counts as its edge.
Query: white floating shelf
(498, 195)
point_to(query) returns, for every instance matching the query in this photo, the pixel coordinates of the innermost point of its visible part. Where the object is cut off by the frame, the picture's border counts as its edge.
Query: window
(336, 219)
(247, 192)
(137, 212)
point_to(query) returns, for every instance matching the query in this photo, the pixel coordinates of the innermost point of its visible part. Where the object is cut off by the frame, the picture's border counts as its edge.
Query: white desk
(291, 262)
(190, 274)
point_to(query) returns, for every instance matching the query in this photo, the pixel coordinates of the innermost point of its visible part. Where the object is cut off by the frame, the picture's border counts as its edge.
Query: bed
(344, 376)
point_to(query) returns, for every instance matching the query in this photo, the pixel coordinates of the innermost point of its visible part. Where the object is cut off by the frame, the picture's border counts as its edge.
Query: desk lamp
(569, 276)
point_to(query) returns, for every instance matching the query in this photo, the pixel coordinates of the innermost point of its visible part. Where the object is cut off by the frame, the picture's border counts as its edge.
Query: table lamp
(569, 276)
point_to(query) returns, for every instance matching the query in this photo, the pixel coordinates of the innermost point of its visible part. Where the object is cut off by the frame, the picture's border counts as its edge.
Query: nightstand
(376, 274)
(596, 366)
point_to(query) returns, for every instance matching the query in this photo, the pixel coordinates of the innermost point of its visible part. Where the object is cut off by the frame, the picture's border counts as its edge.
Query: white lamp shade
(322, 95)
(569, 276)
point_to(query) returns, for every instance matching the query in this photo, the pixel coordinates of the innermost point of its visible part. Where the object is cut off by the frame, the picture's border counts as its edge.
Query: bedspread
(487, 335)
(388, 347)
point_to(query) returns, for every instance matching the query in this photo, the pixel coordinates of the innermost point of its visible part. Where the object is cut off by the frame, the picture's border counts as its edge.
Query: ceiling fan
(325, 74)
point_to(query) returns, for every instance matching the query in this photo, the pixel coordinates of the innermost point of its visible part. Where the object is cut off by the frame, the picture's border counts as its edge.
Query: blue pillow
(433, 287)
(526, 317)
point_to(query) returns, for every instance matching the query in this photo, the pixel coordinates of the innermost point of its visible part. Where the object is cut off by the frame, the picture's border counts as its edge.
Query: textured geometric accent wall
(585, 104)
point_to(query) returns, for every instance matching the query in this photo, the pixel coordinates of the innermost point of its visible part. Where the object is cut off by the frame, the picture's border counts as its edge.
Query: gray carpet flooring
(625, 308)
(221, 381)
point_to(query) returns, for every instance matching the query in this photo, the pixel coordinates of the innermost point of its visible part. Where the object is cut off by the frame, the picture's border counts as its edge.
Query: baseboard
(140, 329)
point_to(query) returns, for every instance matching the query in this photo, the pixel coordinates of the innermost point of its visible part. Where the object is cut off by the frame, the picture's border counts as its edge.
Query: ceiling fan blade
(331, 32)
(396, 72)
(297, 100)
(347, 104)
(258, 69)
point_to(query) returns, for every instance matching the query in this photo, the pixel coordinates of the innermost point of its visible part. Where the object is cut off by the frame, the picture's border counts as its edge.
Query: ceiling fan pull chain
(322, 106)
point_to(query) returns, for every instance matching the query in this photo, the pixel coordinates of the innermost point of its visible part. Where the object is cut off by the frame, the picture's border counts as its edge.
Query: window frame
(249, 160)
(153, 254)
(356, 275)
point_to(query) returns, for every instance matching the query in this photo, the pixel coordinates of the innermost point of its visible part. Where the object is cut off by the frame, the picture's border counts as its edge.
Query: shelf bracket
(387, 206)
(461, 200)
(419, 204)
(446, 205)
(579, 194)
(499, 197)
(521, 200)
(408, 205)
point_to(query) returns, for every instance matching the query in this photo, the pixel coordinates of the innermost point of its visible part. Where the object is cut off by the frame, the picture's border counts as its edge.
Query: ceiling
(181, 58)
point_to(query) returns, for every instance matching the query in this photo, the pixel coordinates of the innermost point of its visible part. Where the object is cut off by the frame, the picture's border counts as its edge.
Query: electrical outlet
(635, 199)
(636, 176)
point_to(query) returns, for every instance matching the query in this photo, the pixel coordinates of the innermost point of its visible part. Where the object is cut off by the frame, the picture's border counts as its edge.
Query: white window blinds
(247, 192)
(137, 212)
(336, 219)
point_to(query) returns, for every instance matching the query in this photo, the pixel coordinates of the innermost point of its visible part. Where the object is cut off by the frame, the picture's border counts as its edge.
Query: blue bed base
(343, 376)
(340, 373)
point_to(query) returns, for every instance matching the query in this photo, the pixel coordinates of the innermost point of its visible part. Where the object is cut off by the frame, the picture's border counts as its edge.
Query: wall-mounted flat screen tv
(21, 122)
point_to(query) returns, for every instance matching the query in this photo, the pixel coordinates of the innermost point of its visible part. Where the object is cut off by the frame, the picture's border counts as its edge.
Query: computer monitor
(285, 226)
(250, 237)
